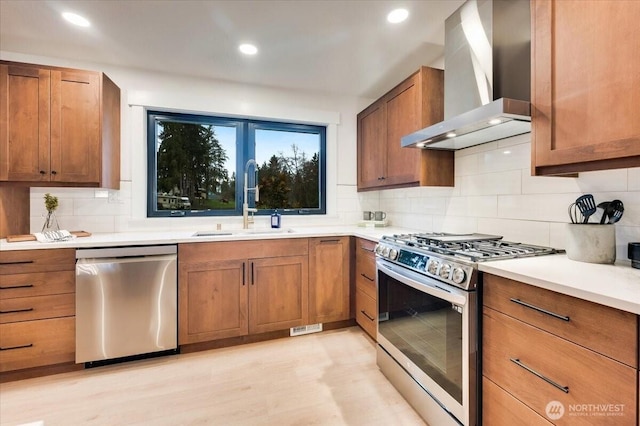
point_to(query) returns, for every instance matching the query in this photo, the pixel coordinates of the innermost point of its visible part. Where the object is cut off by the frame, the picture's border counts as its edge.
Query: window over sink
(196, 165)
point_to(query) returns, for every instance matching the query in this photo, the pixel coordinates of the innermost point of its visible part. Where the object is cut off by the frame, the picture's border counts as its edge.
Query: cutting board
(31, 237)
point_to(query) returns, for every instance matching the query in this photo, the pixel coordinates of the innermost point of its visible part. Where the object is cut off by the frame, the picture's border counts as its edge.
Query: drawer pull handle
(370, 279)
(366, 249)
(18, 262)
(367, 315)
(516, 361)
(330, 241)
(16, 286)
(544, 311)
(13, 311)
(17, 347)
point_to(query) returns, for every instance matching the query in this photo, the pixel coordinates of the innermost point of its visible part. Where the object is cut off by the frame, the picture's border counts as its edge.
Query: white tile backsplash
(503, 182)
(634, 179)
(495, 193)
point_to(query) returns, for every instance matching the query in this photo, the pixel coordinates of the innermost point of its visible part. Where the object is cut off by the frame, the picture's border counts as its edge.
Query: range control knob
(445, 270)
(393, 254)
(458, 275)
(432, 267)
(378, 249)
(385, 251)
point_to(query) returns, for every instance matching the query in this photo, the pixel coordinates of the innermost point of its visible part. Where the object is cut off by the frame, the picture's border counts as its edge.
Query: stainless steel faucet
(245, 205)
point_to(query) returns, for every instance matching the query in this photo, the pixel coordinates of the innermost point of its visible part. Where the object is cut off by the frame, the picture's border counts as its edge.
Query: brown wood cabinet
(414, 104)
(366, 291)
(585, 91)
(540, 347)
(229, 289)
(59, 127)
(37, 308)
(329, 276)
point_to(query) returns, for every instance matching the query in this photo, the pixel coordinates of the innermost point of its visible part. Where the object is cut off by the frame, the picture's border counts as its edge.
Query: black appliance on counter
(428, 324)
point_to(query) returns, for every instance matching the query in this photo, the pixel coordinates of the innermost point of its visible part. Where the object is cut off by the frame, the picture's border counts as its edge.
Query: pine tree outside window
(196, 165)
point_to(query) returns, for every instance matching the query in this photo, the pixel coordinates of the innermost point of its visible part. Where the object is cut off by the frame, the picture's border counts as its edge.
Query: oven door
(428, 327)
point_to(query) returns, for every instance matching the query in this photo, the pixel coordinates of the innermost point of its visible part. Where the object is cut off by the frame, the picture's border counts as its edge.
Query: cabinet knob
(42, 172)
(53, 172)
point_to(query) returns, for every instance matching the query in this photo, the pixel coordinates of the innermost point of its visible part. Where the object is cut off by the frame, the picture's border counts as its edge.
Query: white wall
(125, 210)
(495, 193)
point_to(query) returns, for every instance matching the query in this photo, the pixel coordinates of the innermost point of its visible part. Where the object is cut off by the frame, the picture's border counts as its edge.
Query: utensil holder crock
(591, 243)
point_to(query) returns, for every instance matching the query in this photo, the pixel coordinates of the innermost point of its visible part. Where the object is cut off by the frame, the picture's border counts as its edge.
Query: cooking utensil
(605, 211)
(574, 213)
(617, 209)
(587, 205)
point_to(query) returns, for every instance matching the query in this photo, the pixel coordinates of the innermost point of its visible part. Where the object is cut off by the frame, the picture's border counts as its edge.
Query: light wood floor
(319, 379)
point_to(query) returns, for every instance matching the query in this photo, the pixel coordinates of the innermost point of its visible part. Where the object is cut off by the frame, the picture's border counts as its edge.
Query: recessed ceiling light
(76, 19)
(248, 49)
(451, 135)
(420, 145)
(397, 15)
(495, 121)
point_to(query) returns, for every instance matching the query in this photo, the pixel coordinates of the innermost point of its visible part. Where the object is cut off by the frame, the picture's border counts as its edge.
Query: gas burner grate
(472, 247)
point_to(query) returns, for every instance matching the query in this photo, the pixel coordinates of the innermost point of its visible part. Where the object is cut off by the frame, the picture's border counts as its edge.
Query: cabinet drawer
(366, 284)
(38, 284)
(608, 331)
(366, 312)
(38, 307)
(30, 261)
(234, 250)
(568, 373)
(499, 408)
(36, 343)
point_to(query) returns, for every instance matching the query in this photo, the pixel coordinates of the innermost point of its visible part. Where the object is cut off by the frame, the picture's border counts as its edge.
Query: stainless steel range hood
(487, 76)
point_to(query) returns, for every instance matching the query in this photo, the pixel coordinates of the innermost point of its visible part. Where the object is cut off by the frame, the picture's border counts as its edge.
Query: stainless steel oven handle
(424, 284)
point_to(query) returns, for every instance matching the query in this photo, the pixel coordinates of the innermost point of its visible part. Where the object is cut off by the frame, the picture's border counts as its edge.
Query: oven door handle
(424, 284)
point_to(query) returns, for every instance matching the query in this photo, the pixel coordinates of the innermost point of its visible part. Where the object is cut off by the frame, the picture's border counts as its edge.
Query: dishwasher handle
(124, 252)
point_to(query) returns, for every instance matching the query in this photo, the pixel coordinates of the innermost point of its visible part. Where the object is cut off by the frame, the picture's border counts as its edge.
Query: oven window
(426, 329)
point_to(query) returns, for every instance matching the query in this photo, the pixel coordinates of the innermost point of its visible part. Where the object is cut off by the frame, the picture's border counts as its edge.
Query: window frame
(245, 150)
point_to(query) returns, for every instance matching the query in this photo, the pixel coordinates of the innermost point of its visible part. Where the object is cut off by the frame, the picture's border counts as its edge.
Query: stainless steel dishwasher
(126, 302)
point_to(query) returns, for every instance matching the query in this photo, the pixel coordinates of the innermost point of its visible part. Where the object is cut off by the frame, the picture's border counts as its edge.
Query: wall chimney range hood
(487, 76)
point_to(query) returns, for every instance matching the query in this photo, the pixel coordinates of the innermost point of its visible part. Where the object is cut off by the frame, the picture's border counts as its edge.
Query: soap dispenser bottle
(276, 219)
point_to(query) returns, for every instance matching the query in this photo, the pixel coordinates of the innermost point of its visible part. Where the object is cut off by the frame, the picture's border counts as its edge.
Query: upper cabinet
(58, 127)
(585, 86)
(414, 104)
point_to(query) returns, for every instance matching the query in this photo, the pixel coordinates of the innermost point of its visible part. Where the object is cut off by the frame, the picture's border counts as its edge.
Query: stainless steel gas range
(428, 318)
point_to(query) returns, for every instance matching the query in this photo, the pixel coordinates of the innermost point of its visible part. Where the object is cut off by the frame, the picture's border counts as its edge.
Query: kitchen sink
(243, 232)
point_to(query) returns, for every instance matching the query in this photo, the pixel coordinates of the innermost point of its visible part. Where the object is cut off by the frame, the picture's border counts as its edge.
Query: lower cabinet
(552, 358)
(366, 291)
(37, 343)
(278, 293)
(329, 277)
(229, 289)
(37, 308)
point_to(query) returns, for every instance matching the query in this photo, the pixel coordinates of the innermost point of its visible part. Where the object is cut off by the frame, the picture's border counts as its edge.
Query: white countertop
(174, 237)
(617, 286)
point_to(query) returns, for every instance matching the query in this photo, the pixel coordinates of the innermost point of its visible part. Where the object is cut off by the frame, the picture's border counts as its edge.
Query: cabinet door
(75, 127)
(585, 73)
(24, 123)
(403, 117)
(329, 279)
(278, 293)
(372, 146)
(212, 301)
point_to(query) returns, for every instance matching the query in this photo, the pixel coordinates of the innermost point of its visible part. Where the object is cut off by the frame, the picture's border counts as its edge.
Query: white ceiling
(339, 47)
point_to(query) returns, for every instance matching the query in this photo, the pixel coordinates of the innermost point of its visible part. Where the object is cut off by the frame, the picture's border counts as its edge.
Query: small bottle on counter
(276, 219)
